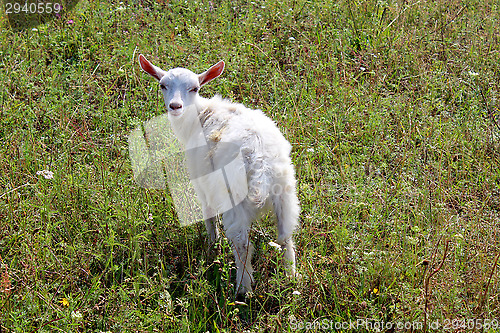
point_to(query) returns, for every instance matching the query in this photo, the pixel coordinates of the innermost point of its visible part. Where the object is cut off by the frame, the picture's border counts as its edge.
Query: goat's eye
(195, 89)
(162, 86)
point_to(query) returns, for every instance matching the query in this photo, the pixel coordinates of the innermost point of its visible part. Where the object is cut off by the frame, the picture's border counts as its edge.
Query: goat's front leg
(243, 251)
(237, 226)
(210, 224)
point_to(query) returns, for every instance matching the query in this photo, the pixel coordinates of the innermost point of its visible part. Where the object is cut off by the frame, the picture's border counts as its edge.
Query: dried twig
(482, 299)
(447, 23)
(491, 114)
(427, 280)
(15, 189)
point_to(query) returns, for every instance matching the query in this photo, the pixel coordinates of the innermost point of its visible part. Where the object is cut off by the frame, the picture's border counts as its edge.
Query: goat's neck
(187, 127)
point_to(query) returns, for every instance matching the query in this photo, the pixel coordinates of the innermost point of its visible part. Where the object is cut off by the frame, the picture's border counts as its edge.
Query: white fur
(270, 176)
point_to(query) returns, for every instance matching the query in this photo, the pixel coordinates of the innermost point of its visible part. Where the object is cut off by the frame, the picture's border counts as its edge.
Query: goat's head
(180, 86)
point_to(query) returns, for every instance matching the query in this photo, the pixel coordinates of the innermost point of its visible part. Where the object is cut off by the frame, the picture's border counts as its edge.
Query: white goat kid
(270, 176)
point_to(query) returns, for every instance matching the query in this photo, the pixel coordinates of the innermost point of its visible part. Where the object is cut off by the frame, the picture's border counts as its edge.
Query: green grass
(392, 111)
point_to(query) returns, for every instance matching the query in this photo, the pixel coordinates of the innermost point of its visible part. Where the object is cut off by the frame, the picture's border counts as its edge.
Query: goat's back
(265, 151)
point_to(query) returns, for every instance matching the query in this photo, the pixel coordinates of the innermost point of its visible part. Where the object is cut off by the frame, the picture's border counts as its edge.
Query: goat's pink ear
(211, 73)
(149, 68)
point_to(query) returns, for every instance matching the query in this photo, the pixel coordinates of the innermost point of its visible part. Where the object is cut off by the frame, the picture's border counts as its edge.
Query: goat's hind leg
(287, 209)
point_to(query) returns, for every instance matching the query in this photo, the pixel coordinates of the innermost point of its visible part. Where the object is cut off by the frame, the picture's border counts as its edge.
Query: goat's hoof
(241, 297)
(294, 275)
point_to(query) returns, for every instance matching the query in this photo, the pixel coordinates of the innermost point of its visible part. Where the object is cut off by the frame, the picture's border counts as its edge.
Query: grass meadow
(392, 109)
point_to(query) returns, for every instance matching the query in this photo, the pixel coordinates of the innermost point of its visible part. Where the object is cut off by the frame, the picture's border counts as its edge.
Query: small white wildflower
(370, 254)
(150, 217)
(472, 73)
(310, 150)
(46, 174)
(34, 29)
(76, 315)
(275, 245)
(121, 9)
(411, 240)
(296, 292)
(361, 68)
(291, 39)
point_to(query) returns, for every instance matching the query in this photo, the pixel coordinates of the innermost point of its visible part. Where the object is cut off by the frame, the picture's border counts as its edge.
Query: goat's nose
(175, 105)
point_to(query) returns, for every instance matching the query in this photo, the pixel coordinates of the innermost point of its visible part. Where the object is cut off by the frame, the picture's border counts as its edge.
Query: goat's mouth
(176, 112)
